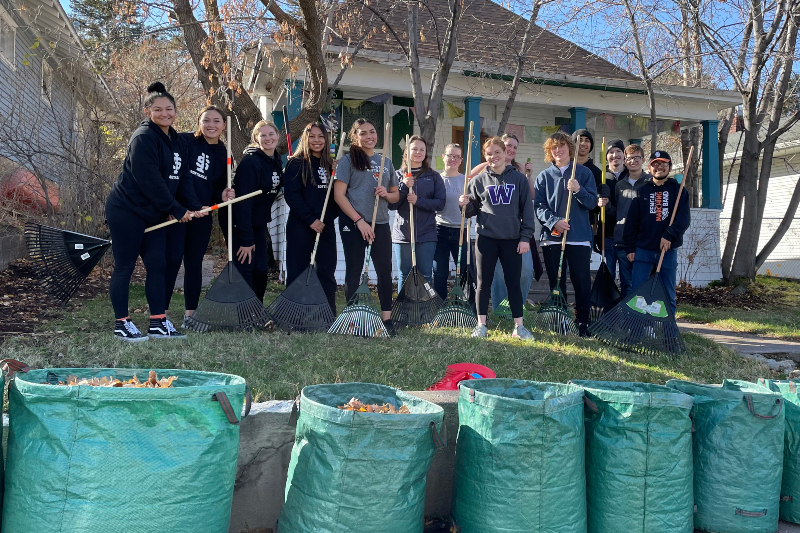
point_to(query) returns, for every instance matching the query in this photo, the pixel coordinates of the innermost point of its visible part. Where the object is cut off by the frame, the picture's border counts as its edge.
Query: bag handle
(749, 399)
(751, 514)
(295, 414)
(439, 438)
(222, 398)
(12, 366)
(591, 405)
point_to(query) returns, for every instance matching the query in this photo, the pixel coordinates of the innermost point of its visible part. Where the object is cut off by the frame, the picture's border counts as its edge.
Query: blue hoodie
(551, 202)
(431, 197)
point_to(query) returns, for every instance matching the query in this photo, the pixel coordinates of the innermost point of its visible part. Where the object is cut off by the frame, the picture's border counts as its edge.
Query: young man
(584, 146)
(615, 171)
(617, 210)
(647, 231)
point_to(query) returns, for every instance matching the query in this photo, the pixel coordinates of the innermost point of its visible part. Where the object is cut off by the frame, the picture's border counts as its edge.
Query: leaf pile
(758, 297)
(152, 382)
(387, 409)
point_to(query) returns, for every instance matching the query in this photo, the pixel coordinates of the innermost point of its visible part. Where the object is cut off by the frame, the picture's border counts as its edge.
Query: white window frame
(6, 21)
(46, 81)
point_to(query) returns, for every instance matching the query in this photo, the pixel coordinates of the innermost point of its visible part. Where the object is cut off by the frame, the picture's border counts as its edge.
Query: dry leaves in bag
(387, 409)
(152, 382)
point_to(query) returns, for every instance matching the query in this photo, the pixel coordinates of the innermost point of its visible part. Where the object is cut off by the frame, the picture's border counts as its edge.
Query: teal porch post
(294, 98)
(577, 118)
(472, 114)
(635, 141)
(710, 176)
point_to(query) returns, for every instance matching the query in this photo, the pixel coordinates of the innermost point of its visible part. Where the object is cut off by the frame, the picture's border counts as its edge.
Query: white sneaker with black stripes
(162, 328)
(126, 331)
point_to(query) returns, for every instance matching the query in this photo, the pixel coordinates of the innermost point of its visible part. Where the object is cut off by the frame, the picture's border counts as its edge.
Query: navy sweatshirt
(257, 171)
(623, 195)
(306, 201)
(551, 202)
(502, 204)
(648, 217)
(431, 197)
(151, 175)
(205, 170)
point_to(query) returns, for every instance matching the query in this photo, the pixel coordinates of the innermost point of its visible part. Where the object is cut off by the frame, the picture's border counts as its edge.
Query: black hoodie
(205, 170)
(647, 221)
(306, 201)
(257, 171)
(151, 175)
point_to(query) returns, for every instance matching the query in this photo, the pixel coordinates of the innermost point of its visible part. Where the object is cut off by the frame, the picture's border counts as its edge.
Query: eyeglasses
(659, 163)
(634, 159)
(451, 156)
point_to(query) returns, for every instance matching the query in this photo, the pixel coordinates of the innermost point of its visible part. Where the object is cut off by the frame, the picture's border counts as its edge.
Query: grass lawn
(277, 365)
(779, 318)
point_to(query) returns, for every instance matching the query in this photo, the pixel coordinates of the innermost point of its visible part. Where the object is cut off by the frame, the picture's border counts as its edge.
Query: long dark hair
(303, 153)
(154, 91)
(358, 157)
(199, 132)
(425, 163)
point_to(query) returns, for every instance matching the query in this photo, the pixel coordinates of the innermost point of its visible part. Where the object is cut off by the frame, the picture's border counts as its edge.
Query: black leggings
(354, 246)
(487, 253)
(299, 245)
(130, 242)
(255, 272)
(187, 243)
(578, 258)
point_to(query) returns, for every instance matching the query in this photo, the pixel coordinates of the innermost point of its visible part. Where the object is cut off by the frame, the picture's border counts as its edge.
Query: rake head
(64, 258)
(503, 311)
(417, 303)
(361, 317)
(456, 312)
(642, 322)
(555, 316)
(605, 294)
(303, 306)
(229, 305)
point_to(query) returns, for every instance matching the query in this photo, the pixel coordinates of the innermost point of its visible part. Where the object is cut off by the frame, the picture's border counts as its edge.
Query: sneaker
(480, 331)
(583, 330)
(390, 328)
(521, 332)
(125, 330)
(162, 328)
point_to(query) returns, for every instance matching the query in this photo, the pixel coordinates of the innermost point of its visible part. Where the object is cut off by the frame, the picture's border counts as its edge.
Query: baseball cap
(660, 155)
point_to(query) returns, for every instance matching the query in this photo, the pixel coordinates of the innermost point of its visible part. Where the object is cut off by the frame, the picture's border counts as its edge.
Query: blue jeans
(611, 257)
(499, 291)
(446, 247)
(646, 261)
(625, 271)
(402, 254)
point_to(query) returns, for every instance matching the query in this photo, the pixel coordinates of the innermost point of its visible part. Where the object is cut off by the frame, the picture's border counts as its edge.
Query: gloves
(604, 191)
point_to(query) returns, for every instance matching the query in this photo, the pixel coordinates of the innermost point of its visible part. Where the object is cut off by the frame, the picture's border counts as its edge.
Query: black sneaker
(390, 328)
(162, 328)
(583, 330)
(126, 331)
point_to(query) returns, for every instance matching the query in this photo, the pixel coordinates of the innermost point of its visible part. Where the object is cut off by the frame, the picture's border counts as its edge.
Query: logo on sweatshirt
(276, 180)
(176, 166)
(202, 164)
(500, 194)
(323, 176)
(659, 205)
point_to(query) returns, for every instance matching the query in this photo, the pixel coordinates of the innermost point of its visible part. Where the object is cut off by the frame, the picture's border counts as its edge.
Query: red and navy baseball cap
(660, 155)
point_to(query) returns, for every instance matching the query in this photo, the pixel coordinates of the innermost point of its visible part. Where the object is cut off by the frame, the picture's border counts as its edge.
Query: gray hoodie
(502, 204)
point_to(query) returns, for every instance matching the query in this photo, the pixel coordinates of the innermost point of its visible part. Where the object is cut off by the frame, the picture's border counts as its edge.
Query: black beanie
(615, 143)
(583, 132)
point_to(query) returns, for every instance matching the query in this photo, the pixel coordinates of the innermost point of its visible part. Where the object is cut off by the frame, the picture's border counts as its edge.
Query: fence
(784, 261)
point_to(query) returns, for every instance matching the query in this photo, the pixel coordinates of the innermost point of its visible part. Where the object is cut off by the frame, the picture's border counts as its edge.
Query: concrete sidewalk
(786, 527)
(744, 343)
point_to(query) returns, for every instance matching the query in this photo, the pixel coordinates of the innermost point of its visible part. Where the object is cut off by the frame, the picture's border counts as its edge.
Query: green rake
(361, 317)
(457, 311)
(554, 315)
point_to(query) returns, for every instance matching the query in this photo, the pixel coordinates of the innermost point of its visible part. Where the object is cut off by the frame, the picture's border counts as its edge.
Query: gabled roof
(489, 38)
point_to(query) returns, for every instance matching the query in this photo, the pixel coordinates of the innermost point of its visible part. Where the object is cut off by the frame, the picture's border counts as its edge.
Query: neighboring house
(565, 87)
(47, 84)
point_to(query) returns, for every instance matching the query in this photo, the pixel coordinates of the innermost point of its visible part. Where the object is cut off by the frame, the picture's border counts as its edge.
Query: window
(47, 80)
(7, 34)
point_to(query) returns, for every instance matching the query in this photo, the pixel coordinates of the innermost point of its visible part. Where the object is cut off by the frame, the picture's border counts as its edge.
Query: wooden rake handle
(386, 145)
(569, 208)
(206, 210)
(467, 171)
(675, 209)
(327, 198)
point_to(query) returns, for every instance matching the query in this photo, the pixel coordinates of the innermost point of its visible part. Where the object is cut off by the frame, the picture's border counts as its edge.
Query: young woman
(144, 195)
(500, 198)
(260, 169)
(355, 189)
(424, 189)
(205, 170)
(448, 221)
(306, 182)
(552, 187)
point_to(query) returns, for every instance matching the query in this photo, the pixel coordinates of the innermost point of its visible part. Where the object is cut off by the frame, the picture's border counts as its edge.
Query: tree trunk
(651, 97)
(733, 233)
(744, 259)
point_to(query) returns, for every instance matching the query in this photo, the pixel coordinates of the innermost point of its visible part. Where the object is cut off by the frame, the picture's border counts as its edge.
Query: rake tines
(417, 303)
(303, 306)
(605, 294)
(456, 312)
(360, 317)
(555, 316)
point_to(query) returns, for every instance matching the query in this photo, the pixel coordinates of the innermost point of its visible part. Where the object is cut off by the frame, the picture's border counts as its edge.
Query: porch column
(635, 141)
(577, 118)
(472, 114)
(710, 175)
(294, 98)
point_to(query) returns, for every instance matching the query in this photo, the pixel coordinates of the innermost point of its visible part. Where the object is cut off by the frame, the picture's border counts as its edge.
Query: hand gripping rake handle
(566, 219)
(602, 210)
(386, 145)
(675, 209)
(467, 171)
(327, 198)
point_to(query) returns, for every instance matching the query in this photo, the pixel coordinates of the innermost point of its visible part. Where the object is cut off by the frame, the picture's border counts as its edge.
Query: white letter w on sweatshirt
(500, 193)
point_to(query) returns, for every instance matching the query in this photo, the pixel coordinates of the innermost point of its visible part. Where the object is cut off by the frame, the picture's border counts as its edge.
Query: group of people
(171, 175)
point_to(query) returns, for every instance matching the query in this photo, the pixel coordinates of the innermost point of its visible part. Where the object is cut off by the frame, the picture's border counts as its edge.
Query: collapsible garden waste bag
(519, 458)
(84, 459)
(790, 489)
(9, 367)
(738, 455)
(638, 458)
(359, 472)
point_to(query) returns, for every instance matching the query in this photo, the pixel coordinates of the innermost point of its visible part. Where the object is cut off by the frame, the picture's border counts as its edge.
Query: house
(565, 87)
(48, 84)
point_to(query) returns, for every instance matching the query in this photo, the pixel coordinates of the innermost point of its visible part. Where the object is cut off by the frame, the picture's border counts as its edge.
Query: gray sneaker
(480, 331)
(521, 332)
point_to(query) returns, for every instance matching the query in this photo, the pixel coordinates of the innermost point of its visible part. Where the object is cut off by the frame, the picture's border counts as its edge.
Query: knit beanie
(615, 143)
(583, 132)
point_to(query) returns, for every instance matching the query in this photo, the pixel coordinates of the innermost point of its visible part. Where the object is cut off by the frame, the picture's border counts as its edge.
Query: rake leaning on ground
(643, 321)
(417, 302)
(361, 317)
(304, 306)
(457, 312)
(554, 315)
(605, 294)
(230, 304)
